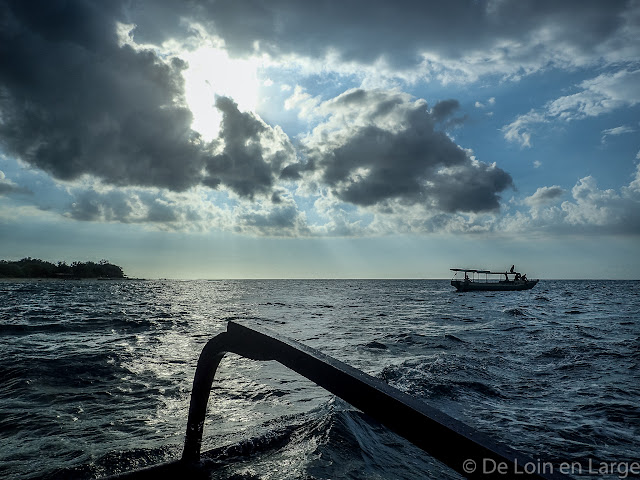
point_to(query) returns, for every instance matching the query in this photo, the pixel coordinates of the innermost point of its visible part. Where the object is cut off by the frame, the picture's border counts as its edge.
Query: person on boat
(513, 267)
(466, 277)
(517, 276)
(524, 277)
(506, 277)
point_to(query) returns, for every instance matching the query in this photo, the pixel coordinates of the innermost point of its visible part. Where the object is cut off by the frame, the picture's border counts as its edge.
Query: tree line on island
(36, 268)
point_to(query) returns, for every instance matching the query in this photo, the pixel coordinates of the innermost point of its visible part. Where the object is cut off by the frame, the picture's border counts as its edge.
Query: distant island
(36, 268)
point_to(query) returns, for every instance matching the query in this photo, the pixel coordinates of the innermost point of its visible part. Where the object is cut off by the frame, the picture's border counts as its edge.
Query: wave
(375, 345)
(515, 312)
(554, 353)
(22, 329)
(115, 463)
(448, 336)
(614, 411)
(333, 441)
(411, 338)
(441, 377)
(88, 324)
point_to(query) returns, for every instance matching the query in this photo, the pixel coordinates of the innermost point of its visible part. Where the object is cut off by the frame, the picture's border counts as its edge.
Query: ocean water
(96, 375)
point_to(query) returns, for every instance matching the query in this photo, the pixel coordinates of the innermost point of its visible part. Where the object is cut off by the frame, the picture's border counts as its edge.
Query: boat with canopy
(480, 280)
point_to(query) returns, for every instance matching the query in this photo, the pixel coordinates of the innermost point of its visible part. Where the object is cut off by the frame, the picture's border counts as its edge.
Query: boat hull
(471, 286)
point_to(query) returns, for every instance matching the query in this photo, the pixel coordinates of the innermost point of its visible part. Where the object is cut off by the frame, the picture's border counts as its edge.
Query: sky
(325, 139)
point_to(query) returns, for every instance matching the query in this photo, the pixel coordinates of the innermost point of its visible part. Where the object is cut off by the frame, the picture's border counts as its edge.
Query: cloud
(618, 130)
(303, 102)
(197, 210)
(592, 206)
(544, 196)
(380, 162)
(124, 206)
(380, 146)
(590, 210)
(78, 99)
(519, 130)
(250, 153)
(599, 95)
(76, 102)
(87, 101)
(621, 130)
(279, 219)
(8, 187)
(491, 101)
(444, 109)
(93, 93)
(459, 40)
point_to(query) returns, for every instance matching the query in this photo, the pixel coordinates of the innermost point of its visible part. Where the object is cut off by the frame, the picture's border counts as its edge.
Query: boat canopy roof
(469, 270)
(474, 270)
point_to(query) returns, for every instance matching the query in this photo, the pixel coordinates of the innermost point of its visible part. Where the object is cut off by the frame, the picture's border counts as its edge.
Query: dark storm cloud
(374, 161)
(251, 152)
(444, 109)
(358, 30)
(365, 30)
(241, 164)
(471, 187)
(75, 100)
(294, 171)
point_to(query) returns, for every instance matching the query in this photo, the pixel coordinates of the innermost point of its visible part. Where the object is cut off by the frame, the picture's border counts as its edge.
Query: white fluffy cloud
(589, 210)
(599, 95)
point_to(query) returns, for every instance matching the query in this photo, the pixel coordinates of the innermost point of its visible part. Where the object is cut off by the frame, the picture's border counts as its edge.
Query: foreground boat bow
(452, 442)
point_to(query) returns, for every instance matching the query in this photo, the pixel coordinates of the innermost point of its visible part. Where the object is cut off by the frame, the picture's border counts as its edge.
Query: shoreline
(68, 279)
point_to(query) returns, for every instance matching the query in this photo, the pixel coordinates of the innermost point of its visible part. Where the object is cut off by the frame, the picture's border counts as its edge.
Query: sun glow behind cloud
(211, 72)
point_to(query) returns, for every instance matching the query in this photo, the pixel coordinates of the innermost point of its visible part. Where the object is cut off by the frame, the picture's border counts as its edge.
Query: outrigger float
(477, 283)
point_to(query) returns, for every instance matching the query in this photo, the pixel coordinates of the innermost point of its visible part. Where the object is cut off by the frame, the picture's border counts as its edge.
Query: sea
(95, 376)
